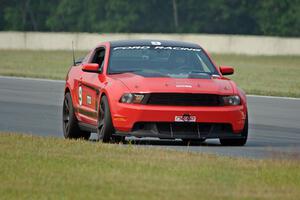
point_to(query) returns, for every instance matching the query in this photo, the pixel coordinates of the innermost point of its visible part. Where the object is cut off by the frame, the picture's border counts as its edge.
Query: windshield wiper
(122, 72)
(200, 74)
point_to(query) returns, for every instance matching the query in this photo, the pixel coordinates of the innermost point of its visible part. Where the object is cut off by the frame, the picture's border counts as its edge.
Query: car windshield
(161, 61)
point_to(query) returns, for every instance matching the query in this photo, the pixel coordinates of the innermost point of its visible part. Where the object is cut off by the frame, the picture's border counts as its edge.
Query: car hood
(139, 84)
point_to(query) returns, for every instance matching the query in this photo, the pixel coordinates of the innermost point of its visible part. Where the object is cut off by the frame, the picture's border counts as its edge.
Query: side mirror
(226, 70)
(90, 67)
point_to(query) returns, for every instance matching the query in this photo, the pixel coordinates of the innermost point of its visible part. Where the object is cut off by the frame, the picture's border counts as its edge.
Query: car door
(89, 88)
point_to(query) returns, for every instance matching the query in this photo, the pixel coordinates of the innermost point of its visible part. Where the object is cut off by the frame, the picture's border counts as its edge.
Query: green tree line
(253, 17)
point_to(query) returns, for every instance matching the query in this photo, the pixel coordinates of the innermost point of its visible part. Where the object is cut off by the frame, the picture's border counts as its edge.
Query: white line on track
(62, 81)
(273, 97)
(32, 79)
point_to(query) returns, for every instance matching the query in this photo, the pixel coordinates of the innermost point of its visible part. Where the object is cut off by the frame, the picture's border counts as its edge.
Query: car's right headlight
(231, 100)
(132, 98)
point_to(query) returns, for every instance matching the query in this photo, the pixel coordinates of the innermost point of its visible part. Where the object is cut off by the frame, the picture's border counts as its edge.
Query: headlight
(132, 98)
(231, 100)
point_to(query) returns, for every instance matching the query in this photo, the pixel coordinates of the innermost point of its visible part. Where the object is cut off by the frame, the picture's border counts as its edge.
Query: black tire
(70, 124)
(105, 127)
(237, 142)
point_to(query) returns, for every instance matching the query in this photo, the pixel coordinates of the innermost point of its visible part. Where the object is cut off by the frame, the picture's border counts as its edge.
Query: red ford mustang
(144, 88)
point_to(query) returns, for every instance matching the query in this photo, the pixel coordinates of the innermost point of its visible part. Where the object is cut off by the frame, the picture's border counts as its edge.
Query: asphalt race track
(34, 106)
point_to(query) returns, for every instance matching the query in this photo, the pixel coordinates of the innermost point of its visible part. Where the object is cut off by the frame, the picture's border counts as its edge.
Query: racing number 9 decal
(80, 95)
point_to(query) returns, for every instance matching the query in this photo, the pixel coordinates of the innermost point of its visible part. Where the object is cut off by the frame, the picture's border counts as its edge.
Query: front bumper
(126, 116)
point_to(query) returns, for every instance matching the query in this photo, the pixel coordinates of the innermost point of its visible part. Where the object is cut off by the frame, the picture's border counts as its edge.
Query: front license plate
(185, 118)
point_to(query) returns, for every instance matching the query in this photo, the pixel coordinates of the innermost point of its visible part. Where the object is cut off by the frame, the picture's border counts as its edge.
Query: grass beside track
(33, 167)
(263, 75)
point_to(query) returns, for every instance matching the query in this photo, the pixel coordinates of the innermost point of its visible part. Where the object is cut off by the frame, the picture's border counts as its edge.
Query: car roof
(119, 43)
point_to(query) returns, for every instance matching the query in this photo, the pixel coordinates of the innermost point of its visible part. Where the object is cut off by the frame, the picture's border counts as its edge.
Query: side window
(99, 57)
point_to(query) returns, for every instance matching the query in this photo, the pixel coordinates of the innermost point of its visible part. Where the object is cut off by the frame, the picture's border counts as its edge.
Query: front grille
(184, 99)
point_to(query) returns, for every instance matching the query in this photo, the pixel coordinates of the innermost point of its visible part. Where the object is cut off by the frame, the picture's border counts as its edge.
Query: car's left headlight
(231, 100)
(132, 98)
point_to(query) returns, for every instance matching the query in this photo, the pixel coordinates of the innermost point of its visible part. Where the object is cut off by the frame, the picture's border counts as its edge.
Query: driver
(178, 59)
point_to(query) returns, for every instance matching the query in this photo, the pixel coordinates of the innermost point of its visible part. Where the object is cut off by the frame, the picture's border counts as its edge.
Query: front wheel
(238, 142)
(105, 128)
